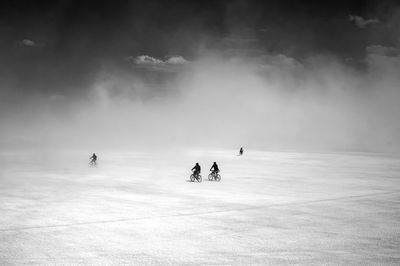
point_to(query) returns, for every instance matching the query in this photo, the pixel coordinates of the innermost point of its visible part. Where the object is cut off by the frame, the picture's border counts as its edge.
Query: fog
(269, 76)
(270, 102)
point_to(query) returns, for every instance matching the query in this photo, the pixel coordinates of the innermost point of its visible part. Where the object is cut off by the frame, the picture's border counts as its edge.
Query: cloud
(145, 60)
(176, 60)
(29, 43)
(361, 22)
(171, 63)
(382, 50)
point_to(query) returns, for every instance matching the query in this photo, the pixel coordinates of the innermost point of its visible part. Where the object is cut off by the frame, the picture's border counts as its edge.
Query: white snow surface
(270, 208)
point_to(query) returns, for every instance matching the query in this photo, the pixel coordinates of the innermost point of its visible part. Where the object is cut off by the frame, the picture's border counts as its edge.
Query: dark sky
(63, 44)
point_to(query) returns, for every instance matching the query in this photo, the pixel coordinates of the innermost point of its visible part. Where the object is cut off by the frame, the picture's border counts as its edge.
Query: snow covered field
(139, 208)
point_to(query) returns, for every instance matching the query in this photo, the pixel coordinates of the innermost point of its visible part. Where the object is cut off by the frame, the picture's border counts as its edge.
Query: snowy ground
(136, 208)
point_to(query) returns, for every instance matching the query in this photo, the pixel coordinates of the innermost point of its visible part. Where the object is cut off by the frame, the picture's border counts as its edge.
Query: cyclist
(197, 169)
(214, 168)
(93, 159)
(241, 151)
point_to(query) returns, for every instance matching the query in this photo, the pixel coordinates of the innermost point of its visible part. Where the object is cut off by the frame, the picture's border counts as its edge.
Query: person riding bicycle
(214, 168)
(197, 169)
(93, 159)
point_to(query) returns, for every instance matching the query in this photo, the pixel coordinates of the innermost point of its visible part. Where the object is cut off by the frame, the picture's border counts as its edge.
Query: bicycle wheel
(192, 178)
(199, 178)
(218, 178)
(210, 177)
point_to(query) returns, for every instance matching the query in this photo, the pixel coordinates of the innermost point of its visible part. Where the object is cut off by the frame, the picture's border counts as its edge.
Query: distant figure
(214, 168)
(93, 159)
(197, 169)
(241, 151)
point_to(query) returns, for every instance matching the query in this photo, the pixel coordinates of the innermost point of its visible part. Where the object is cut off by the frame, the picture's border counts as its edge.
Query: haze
(232, 87)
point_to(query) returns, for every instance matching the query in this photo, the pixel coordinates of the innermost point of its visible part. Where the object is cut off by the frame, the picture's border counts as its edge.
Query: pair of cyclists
(197, 169)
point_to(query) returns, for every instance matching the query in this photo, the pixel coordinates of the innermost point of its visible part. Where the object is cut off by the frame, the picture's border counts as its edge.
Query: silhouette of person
(214, 168)
(93, 159)
(241, 151)
(197, 169)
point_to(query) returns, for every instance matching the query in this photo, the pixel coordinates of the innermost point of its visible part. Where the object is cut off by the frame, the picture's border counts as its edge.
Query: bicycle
(195, 176)
(214, 176)
(92, 163)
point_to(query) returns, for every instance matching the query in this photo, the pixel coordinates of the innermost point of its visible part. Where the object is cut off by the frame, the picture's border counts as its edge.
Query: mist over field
(273, 102)
(203, 75)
